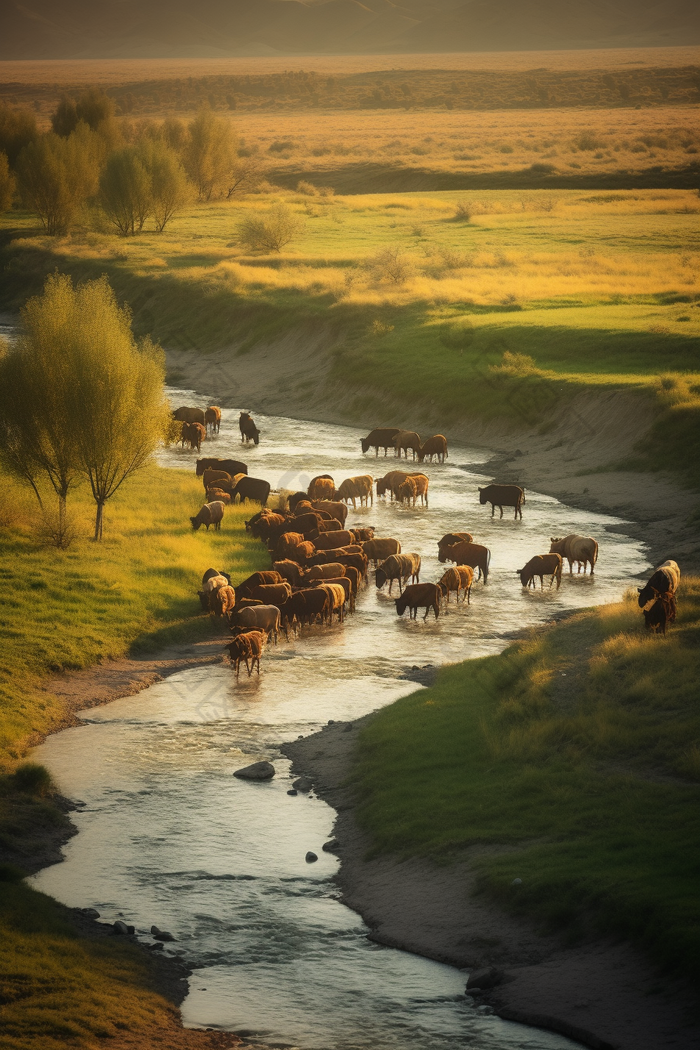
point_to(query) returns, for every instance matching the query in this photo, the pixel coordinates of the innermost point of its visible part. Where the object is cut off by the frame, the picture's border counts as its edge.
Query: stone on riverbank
(256, 771)
(302, 784)
(161, 935)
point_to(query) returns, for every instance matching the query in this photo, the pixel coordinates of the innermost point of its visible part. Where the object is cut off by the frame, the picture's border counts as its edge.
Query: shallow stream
(169, 836)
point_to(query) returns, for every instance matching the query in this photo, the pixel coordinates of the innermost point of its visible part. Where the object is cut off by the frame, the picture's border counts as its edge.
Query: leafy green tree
(170, 190)
(78, 395)
(7, 184)
(17, 129)
(93, 108)
(209, 153)
(57, 175)
(125, 190)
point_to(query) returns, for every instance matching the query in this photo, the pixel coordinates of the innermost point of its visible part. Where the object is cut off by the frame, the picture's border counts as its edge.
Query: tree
(78, 395)
(35, 439)
(244, 175)
(170, 190)
(209, 153)
(125, 190)
(17, 129)
(93, 108)
(7, 184)
(56, 176)
(272, 233)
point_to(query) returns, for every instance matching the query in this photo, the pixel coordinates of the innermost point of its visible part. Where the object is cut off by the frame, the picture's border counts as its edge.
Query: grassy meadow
(136, 589)
(66, 609)
(561, 290)
(571, 761)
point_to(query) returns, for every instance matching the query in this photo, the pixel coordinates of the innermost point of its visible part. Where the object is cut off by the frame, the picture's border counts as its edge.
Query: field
(137, 588)
(569, 761)
(590, 289)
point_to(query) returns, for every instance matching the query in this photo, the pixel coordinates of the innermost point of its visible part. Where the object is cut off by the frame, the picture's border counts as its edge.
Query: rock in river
(256, 771)
(311, 857)
(161, 935)
(302, 784)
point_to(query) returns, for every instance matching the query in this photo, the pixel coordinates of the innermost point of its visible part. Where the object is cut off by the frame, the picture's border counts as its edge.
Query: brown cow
(460, 577)
(390, 482)
(327, 541)
(324, 572)
(407, 491)
(212, 476)
(247, 646)
(360, 487)
(337, 510)
(193, 434)
(379, 549)
(360, 534)
(290, 571)
(231, 466)
(286, 543)
(305, 607)
(580, 549)
(422, 483)
(258, 579)
(189, 415)
(321, 488)
(406, 439)
(248, 429)
(464, 553)
(258, 618)
(381, 437)
(450, 538)
(271, 593)
(222, 600)
(212, 418)
(541, 565)
(401, 567)
(302, 553)
(503, 496)
(337, 597)
(346, 584)
(419, 595)
(217, 494)
(209, 514)
(434, 446)
(329, 526)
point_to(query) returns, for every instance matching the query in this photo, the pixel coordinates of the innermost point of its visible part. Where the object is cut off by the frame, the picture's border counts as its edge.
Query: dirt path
(603, 994)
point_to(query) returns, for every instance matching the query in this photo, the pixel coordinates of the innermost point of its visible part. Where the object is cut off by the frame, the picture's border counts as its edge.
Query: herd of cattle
(319, 564)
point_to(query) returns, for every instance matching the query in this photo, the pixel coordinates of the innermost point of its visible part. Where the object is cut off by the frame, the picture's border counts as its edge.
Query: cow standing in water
(503, 496)
(248, 429)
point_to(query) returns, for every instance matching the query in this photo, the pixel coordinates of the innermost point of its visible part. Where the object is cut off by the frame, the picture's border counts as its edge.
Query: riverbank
(580, 459)
(84, 626)
(446, 796)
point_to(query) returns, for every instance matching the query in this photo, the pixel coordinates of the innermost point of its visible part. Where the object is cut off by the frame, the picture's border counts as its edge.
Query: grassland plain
(66, 609)
(551, 294)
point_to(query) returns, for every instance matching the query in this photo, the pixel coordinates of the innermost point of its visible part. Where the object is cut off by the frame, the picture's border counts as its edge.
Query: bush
(272, 233)
(32, 778)
(391, 265)
(463, 212)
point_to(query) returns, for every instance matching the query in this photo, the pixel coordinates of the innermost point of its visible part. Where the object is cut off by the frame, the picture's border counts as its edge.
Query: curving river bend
(169, 836)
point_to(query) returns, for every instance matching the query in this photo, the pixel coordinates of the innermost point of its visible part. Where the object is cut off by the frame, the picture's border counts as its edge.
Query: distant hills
(42, 29)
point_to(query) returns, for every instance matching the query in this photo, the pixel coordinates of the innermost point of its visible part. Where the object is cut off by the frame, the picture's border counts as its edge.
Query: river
(168, 836)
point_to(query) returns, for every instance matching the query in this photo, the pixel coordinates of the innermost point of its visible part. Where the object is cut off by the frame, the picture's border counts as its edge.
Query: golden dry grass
(125, 70)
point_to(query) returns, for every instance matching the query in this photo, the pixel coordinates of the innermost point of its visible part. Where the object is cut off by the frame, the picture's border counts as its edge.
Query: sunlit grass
(68, 609)
(578, 749)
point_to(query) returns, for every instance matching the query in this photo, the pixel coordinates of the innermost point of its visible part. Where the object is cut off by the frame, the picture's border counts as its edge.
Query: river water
(169, 837)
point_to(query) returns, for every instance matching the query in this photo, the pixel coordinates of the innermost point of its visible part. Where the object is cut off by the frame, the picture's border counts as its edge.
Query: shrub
(272, 233)
(32, 778)
(379, 329)
(463, 212)
(307, 188)
(391, 265)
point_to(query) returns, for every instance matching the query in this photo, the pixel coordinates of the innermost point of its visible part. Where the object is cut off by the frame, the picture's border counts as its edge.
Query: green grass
(66, 609)
(136, 589)
(599, 290)
(577, 752)
(59, 990)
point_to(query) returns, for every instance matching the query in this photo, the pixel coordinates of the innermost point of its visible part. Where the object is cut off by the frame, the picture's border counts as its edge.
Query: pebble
(347, 728)
(302, 784)
(311, 857)
(120, 927)
(292, 792)
(517, 882)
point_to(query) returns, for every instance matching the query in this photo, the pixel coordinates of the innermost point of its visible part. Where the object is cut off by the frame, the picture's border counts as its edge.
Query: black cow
(231, 466)
(252, 488)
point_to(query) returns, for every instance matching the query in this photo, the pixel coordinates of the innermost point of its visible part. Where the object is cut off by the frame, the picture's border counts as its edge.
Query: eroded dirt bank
(603, 994)
(574, 461)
